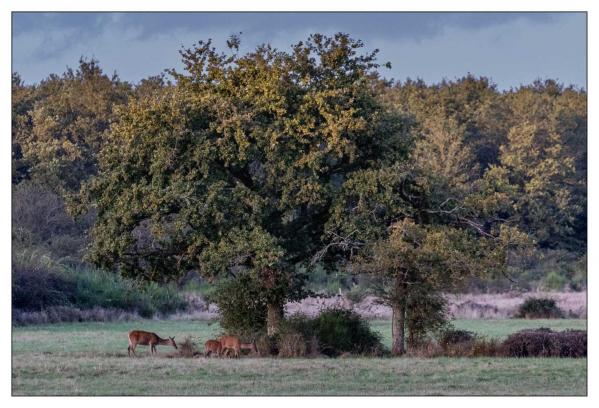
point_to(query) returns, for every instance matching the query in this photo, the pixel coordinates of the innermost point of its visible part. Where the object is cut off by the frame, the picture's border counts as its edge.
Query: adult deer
(146, 338)
(230, 343)
(212, 347)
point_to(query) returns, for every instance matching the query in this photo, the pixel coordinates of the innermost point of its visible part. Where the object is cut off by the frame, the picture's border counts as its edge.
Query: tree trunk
(273, 317)
(398, 322)
(398, 328)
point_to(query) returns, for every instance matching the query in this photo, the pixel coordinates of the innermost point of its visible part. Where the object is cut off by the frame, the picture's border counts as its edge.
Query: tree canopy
(245, 156)
(265, 163)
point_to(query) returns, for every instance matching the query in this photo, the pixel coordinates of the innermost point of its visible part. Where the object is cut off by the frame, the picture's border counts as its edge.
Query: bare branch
(345, 243)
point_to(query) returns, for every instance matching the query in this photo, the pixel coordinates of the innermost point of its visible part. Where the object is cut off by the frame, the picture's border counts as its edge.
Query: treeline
(269, 166)
(536, 134)
(59, 127)
(536, 137)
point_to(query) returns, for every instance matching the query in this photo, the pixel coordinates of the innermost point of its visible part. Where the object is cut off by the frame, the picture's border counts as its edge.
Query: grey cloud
(140, 44)
(402, 25)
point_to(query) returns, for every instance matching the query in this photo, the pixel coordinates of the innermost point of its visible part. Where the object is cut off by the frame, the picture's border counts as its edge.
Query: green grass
(91, 359)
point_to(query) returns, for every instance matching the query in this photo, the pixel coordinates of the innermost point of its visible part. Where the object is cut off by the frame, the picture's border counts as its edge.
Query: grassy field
(91, 359)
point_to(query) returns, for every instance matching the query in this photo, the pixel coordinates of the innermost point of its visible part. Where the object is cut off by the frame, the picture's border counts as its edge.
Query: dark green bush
(335, 331)
(341, 330)
(554, 281)
(297, 337)
(427, 314)
(267, 346)
(462, 343)
(40, 283)
(453, 336)
(241, 306)
(539, 308)
(298, 323)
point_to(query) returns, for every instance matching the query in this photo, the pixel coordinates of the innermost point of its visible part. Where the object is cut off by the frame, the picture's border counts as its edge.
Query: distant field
(91, 359)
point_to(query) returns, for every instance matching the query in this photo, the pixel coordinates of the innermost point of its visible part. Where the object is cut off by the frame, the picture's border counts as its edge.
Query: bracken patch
(546, 343)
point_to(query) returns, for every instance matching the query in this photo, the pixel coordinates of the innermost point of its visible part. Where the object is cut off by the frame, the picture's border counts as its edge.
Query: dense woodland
(277, 166)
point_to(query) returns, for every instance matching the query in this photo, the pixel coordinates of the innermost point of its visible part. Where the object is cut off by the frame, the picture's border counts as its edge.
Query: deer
(212, 346)
(229, 343)
(146, 338)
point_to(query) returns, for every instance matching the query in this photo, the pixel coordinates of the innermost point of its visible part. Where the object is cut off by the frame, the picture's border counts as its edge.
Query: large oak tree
(235, 169)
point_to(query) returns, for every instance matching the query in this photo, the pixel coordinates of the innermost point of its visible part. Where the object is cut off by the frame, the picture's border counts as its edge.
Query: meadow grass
(91, 359)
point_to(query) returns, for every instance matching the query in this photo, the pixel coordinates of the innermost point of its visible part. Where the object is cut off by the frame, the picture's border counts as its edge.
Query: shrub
(37, 282)
(297, 337)
(241, 305)
(539, 308)
(187, 348)
(456, 343)
(164, 299)
(292, 345)
(475, 347)
(428, 349)
(67, 314)
(298, 323)
(333, 332)
(554, 281)
(453, 336)
(570, 343)
(356, 293)
(546, 343)
(427, 314)
(266, 346)
(40, 284)
(483, 347)
(341, 330)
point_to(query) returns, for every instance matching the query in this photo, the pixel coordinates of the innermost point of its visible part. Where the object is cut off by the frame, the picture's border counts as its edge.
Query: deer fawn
(212, 347)
(146, 338)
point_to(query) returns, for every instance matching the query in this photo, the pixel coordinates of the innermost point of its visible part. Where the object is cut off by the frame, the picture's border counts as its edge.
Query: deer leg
(130, 348)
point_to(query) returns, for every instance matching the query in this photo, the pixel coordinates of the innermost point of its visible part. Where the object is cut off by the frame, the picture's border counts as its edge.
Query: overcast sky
(509, 48)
